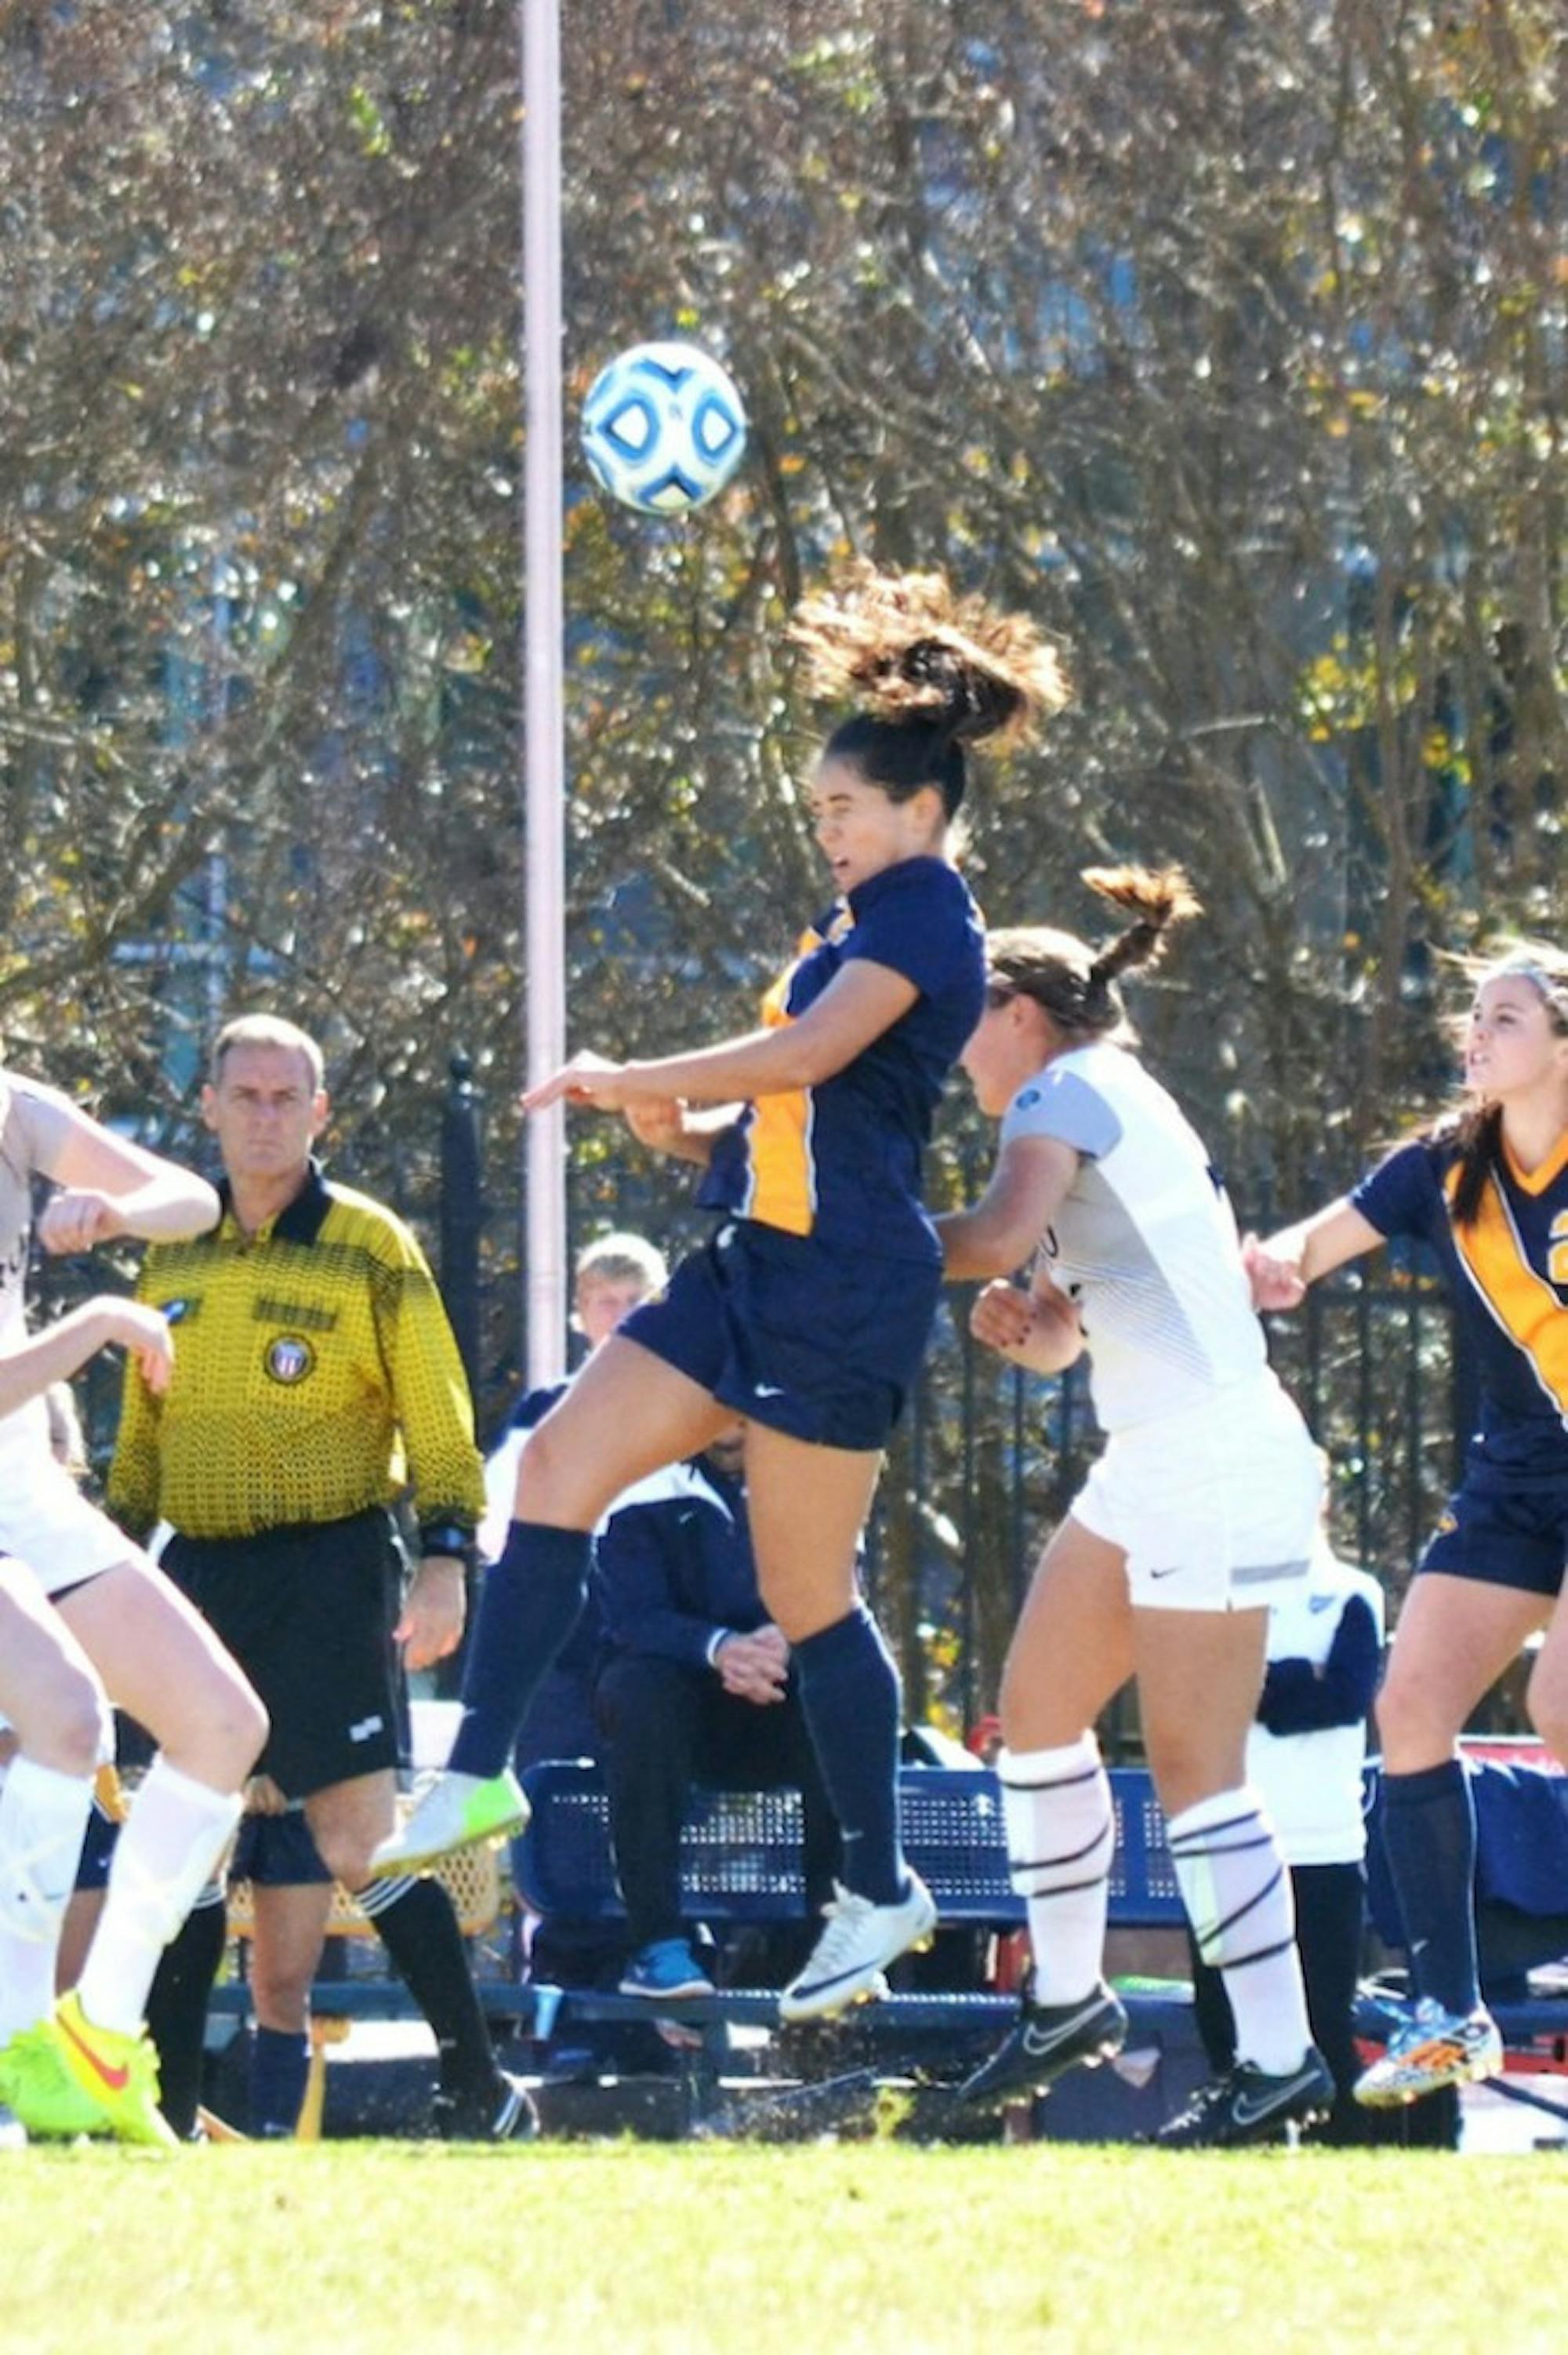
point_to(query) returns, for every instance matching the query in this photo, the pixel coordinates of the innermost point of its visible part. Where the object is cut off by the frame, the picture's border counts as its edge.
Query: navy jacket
(675, 1566)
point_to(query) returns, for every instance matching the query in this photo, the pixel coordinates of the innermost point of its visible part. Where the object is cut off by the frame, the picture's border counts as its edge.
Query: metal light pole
(544, 1150)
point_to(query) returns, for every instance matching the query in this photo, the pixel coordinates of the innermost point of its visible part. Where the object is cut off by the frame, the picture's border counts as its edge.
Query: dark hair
(1075, 984)
(931, 672)
(1477, 1130)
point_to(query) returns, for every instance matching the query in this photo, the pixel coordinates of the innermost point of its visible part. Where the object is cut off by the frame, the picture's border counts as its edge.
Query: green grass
(416, 2250)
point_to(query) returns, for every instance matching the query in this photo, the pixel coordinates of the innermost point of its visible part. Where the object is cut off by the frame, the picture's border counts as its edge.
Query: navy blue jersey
(675, 1564)
(841, 1161)
(1509, 1277)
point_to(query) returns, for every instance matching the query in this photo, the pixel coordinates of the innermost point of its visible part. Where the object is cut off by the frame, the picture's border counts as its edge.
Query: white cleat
(456, 1810)
(848, 1962)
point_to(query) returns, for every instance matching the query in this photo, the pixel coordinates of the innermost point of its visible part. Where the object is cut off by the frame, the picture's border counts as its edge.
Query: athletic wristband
(449, 1538)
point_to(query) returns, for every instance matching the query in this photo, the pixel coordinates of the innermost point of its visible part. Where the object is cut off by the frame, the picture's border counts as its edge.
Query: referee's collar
(301, 1220)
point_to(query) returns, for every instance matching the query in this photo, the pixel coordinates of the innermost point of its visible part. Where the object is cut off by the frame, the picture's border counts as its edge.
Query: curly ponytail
(931, 672)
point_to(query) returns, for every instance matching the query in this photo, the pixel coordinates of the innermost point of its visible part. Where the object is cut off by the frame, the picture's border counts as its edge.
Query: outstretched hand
(143, 1334)
(587, 1078)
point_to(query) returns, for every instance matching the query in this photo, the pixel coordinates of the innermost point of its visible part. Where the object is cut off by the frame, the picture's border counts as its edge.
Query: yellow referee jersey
(316, 1374)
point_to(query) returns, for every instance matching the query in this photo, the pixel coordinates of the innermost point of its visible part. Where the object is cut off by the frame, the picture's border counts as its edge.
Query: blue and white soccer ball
(663, 428)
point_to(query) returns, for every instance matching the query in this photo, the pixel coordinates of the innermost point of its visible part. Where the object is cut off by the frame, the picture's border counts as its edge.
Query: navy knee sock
(1429, 1832)
(280, 2067)
(850, 1692)
(528, 1607)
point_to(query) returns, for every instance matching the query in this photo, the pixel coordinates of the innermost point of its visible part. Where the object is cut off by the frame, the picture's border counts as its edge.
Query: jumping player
(808, 1311)
(1487, 1189)
(1201, 1511)
(151, 1651)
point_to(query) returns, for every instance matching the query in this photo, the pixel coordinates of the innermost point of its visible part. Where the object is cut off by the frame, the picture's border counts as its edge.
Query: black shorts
(308, 1613)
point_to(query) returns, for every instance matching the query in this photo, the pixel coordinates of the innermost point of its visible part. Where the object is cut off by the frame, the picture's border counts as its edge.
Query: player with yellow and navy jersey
(1488, 1190)
(808, 1311)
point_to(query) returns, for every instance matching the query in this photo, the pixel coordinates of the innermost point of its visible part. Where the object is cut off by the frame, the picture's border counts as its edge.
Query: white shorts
(51, 1528)
(1215, 1509)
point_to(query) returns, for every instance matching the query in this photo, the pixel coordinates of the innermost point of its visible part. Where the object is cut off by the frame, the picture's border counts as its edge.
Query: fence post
(461, 1212)
(461, 1224)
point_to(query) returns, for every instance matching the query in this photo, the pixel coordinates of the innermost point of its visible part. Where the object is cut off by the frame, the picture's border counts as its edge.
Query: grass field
(386, 2247)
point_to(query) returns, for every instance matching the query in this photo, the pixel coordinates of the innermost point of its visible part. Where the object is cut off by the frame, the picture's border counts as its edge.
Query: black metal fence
(989, 1459)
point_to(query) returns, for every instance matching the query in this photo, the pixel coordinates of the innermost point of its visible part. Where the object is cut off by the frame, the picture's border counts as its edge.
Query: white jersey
(30, 1118)
(1145, 1241)
(1311, 1782)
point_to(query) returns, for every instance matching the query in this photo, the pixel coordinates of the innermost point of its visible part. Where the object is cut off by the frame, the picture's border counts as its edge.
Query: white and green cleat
(455, 1811)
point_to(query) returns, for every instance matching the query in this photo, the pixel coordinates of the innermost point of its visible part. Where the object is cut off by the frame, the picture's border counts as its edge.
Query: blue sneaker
(667, 1969)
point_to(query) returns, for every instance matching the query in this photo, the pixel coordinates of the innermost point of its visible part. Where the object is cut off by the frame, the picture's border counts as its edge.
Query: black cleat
(503, 2113)
(1050, 2038)
(1248, 2105)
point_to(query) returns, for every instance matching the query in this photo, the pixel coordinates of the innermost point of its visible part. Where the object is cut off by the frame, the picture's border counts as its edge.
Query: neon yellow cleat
(36, 2084)
(119, 2072)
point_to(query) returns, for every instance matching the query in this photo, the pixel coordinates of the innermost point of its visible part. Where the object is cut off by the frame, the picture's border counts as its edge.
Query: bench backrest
(740, 1852)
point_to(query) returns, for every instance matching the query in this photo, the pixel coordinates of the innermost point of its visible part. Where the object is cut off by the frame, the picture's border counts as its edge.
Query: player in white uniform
(1201, 1513)
(86, 2063)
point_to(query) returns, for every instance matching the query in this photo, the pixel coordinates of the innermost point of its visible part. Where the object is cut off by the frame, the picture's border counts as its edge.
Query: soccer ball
(663, 428)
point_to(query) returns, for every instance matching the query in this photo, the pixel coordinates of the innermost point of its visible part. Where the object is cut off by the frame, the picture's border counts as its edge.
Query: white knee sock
(1061, 1836)
(163, 1856)
(1237, 1893)
(43, 1815)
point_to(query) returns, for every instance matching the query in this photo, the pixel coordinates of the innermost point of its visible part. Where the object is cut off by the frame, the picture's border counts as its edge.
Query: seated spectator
(697, 1686)
(614, 1274)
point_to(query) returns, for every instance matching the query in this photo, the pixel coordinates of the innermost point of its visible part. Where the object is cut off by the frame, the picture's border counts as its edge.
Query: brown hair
(1477, 1128)
(1075, 983)
(930, 672)
(265, 1031)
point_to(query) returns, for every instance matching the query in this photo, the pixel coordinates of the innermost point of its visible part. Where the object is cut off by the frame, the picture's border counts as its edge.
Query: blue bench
(740, 1852)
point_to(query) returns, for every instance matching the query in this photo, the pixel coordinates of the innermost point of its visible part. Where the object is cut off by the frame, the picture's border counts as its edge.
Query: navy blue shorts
(97, 1849)
(270, 1851)
(1504, 1526)
(276, 1852)
(820, 1343)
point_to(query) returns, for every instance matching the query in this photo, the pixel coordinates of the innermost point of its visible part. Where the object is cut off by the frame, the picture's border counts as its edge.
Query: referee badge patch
(289, 1359)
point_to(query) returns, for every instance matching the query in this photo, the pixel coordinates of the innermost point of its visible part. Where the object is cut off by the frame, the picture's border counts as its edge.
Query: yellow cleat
(119, 2071)
(37, 2084)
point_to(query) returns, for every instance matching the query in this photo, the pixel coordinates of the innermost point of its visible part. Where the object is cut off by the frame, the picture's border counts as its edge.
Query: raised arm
(110, 1186)
(999, 1232)
(1280, 1268)
(65, 1347)
(862, 1001)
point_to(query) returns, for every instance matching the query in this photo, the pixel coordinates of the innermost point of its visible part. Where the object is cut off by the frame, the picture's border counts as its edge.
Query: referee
(317, 1378)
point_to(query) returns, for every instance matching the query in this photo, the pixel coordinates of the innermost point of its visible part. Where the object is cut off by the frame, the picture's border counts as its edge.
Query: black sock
(420, 1931)
(176, 2011)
